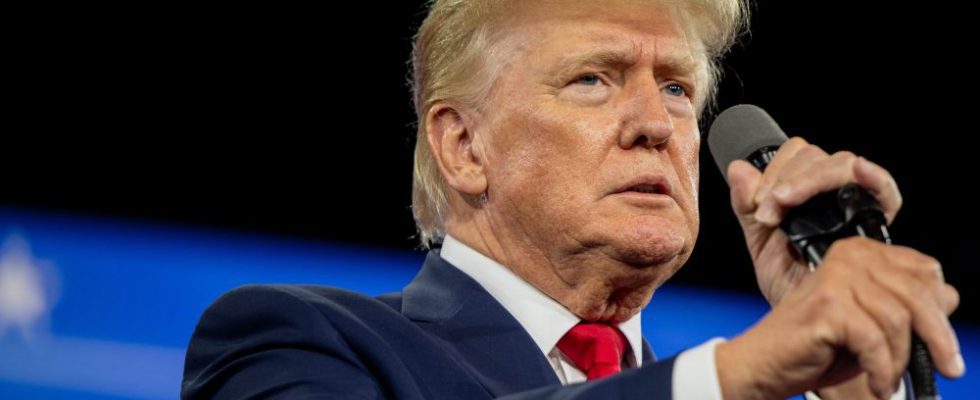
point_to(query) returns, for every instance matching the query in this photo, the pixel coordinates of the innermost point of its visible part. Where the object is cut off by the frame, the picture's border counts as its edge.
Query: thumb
(744, 180)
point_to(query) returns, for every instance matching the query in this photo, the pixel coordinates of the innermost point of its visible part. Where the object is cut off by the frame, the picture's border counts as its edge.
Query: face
(590, 140)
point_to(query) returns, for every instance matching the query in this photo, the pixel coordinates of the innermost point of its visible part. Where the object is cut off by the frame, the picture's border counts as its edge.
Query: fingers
(893, 320)
(805, 182)
(925, 277)
(744, 180)
(874, 355)
(915, 280)
(880, 183)
(900, 289)
(871, 323)
(858, 311)
(783, 157)
(804, 171)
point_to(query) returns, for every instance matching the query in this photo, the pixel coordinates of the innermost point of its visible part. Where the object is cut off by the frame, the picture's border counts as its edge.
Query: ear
(455, 150)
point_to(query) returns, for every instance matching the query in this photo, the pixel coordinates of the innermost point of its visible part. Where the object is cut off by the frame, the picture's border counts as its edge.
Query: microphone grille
(739, 131)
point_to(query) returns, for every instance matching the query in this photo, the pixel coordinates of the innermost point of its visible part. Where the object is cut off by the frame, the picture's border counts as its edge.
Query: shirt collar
(541, 316)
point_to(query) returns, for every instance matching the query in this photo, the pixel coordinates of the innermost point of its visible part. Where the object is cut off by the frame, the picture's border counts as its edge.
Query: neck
(583, 279)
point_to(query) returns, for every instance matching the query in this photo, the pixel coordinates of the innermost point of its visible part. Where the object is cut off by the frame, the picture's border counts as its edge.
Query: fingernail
(959, 366)
(767, 214)
(781, 191)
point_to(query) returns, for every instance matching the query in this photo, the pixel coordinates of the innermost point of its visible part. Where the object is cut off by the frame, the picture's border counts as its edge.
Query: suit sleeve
(651, 382)
(265, 342)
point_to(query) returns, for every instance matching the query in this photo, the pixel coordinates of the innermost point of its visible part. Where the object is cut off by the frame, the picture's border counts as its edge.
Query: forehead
(561, 28)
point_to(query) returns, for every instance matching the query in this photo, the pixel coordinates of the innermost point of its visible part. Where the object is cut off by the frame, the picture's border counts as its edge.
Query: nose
(646, 121)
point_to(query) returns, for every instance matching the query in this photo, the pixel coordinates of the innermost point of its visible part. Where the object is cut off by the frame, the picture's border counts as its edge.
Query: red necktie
(595, 348)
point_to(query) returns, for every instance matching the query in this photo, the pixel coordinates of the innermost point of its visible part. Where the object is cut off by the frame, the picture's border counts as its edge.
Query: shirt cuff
(695, 376)
(899, 395)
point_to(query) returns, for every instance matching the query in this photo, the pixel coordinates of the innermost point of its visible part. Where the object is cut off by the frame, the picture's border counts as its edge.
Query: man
(557, 163)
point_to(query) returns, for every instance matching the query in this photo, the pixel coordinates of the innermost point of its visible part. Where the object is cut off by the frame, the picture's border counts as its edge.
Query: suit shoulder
(299, 309)
(255, 333)
(252, 297)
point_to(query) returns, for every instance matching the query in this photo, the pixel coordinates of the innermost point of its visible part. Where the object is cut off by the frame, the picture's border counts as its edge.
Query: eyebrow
(598, 58)
(671, 63)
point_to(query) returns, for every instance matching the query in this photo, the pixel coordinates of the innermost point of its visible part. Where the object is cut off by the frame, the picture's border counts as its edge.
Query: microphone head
(739, 131)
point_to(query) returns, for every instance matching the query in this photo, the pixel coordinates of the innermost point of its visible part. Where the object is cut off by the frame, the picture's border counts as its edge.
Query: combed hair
(449, 65)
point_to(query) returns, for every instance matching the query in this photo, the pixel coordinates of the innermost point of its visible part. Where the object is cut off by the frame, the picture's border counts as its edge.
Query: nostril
(641, 141)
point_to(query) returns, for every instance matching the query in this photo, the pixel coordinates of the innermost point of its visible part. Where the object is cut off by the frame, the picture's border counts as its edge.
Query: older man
(557, 165)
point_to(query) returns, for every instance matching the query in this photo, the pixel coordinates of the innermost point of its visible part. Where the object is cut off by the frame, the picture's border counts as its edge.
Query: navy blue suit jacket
(443, 337)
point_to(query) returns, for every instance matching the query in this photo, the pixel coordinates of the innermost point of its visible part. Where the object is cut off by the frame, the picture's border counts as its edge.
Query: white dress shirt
(546, 321)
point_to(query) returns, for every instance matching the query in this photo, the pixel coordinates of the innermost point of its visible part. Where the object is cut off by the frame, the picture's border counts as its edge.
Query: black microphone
(747, 132)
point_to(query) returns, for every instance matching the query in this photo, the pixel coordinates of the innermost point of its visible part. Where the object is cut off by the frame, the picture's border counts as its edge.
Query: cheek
(541, 150)
(694, 173)
(687, 163)
(518, 161)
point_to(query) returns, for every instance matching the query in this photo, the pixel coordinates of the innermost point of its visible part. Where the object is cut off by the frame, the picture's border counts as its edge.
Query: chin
(651, 245)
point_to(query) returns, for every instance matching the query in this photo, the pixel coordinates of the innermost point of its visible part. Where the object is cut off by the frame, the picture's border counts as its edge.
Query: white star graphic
(23, 303)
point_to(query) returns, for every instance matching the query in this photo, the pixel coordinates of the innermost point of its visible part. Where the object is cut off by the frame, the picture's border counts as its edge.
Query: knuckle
(952, 297)
(928, 269)
(876, 340)
(824, 299)
(898, 323)
(812, 151)
(845, 156)
(797, 141)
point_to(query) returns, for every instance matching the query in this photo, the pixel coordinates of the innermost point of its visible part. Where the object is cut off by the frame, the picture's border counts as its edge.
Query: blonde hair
(449, 64)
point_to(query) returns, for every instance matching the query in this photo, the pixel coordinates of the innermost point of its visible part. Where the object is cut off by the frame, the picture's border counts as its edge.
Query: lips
(652, 184)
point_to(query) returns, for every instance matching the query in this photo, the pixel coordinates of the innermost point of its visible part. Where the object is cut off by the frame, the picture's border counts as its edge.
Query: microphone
(747, 132)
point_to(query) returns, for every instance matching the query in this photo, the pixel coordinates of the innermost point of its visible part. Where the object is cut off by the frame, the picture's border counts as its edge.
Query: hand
(798, 172)
(839, 330)
(853, 315)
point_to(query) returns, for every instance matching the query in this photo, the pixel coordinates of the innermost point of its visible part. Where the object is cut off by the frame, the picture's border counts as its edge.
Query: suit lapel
(648, 356)
(490, 342)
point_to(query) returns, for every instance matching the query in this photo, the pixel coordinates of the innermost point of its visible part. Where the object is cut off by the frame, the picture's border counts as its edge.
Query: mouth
(648, 185)
(647, 188)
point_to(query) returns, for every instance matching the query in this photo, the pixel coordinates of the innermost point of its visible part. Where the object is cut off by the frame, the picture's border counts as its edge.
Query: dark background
(298, 121)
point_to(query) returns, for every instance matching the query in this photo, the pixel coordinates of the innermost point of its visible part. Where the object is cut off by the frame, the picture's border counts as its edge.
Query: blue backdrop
(94, 308)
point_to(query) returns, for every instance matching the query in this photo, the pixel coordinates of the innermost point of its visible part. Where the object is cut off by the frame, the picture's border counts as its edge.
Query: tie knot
(595, 348)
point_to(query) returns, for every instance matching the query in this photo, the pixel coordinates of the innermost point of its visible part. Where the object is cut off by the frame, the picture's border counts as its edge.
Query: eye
(587, 88)
(588, 80)
(676, 90)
